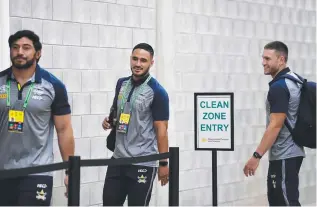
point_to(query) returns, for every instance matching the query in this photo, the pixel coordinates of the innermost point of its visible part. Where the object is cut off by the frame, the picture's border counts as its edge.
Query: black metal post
(174, 177)
(214, 179)
(74, 181)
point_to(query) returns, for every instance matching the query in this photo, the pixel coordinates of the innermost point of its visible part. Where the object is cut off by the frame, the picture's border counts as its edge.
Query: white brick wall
(218, 45)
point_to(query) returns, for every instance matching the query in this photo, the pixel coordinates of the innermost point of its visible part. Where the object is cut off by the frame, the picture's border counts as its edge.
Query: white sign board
(214, 121)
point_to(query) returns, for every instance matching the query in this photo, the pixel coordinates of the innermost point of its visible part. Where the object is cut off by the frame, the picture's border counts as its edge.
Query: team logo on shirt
(3, 92)
(37, 93)
(41, 195)
(141, 179)
(3, 96)
(3, 89)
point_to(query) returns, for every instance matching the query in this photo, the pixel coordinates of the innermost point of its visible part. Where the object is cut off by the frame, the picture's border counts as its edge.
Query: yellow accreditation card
(16, 120)
(124, 118)
(123, 123)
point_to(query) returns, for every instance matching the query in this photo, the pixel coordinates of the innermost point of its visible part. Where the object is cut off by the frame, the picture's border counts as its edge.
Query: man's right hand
(105, 124)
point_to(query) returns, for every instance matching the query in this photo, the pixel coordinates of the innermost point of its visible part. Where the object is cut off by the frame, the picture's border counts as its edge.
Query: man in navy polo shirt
(32, 102)
(141, 129)
(285, 156)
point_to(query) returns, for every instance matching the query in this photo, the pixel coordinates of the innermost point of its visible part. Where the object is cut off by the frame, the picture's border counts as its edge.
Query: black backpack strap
(111, 138)
(113, 109)
(288, 126)
(114, 103)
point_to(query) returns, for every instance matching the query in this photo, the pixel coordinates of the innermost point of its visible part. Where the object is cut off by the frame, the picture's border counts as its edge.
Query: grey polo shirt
(284, 97)
(35, 145)
(151, 104)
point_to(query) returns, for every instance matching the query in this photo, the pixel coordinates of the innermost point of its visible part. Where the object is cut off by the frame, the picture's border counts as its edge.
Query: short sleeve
(160, 105)
(278, 97)
(60, 105)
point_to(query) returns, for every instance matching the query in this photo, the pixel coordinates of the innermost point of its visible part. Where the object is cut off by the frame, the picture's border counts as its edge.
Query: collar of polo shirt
(140, 81)
(35, 78)
(282, 72)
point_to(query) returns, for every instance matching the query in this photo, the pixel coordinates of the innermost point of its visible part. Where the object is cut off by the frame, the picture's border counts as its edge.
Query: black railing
(75, 163)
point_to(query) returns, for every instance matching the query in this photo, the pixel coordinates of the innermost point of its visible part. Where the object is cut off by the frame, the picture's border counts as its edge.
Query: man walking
(32, 102)
(142, 111)
(285, 156)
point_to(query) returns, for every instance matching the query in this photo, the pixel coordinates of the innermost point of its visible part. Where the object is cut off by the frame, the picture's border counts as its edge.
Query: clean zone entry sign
(214, 122)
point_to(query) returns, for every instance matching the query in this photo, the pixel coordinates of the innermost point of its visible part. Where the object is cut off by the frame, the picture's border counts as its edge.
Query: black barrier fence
(75, 163)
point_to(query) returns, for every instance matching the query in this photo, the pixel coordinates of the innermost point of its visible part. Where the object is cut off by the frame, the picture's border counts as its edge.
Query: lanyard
(134, 96)
(26, 101)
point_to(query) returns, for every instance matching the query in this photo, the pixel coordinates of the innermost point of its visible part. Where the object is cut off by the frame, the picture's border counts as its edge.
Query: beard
(143, 73)
(271, 70)
(24, 66)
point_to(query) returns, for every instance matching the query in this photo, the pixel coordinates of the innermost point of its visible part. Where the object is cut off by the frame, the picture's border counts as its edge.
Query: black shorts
(132, 181)
(283, 182)
(35, 190)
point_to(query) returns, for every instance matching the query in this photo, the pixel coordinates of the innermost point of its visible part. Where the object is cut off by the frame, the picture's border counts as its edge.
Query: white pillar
(165, 50)
(4, 34)
(165, 36)
(165, 72)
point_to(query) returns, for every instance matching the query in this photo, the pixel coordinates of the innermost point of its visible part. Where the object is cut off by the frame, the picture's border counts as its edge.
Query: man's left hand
(163, 173)
(251, 166)
(66, 184)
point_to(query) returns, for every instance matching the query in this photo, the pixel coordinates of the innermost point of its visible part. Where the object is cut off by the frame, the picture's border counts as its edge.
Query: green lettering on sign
(214, 116)
(214, 127)
(214, 104)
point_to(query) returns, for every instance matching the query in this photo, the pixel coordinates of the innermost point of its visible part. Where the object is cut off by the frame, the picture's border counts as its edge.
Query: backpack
(304, 131)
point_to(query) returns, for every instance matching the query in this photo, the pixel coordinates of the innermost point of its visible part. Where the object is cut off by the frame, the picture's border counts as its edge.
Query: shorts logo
(141, 179)
(41, 195)
(41, 186)
(273, 176)
(142, 170)
(274, 183)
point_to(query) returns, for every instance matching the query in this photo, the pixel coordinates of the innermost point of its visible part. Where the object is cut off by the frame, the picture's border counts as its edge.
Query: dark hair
(144, 46)
(279, 47)
(28, 34)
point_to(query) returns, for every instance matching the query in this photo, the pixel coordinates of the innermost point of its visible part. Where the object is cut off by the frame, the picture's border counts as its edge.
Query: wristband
(163, 163)
(257, 155)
